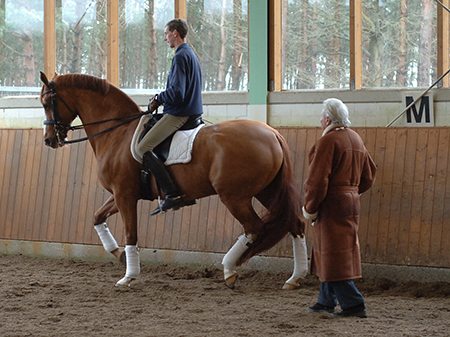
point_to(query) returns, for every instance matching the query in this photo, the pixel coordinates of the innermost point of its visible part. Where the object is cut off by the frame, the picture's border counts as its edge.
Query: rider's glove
(154, 104)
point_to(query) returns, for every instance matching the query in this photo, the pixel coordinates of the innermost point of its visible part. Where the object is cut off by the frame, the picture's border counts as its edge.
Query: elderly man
(340, 169)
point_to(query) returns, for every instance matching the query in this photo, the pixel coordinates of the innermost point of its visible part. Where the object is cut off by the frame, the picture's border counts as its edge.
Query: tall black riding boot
(173, 198)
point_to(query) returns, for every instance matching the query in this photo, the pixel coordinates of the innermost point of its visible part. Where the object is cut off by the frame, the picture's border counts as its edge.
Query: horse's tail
(284, 209)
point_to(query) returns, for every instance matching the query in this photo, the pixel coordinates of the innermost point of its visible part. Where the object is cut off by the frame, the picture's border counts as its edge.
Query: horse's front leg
(109, 242)
(128, 210)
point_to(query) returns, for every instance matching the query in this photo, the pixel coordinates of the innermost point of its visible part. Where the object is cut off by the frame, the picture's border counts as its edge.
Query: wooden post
(180, 9)
(49, 38)
(443, 64)
(258, 63)
(112, 36)
(355, 45)
(275, 45)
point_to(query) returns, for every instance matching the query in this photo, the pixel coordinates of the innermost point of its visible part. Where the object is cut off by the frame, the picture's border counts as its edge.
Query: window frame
(274, 47)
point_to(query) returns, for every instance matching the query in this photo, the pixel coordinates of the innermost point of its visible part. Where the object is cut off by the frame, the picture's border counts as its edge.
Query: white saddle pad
(180, 151)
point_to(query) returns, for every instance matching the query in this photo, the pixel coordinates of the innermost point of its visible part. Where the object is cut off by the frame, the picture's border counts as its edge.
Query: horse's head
(58, 117)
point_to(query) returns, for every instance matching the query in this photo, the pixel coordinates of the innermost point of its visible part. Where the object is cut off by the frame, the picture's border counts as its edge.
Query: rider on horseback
(182, 99)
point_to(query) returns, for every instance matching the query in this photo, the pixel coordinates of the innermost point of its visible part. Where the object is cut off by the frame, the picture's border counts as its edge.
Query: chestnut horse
(239, 160)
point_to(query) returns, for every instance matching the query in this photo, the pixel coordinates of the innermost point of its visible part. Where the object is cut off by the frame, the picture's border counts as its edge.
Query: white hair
(336, 110)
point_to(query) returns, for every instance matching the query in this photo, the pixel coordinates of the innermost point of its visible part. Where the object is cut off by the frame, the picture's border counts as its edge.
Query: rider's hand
(154, 104)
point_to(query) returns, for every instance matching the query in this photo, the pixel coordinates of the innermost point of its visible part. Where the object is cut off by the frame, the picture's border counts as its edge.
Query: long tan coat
(340, 169)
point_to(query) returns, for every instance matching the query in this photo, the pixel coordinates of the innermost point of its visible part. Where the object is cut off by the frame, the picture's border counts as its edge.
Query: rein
(60, 127)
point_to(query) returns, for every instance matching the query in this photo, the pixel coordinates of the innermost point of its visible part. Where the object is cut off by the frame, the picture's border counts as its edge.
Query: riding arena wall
(50, 196)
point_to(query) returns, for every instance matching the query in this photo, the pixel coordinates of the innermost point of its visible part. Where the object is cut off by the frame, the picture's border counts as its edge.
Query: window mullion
(112, 36)
(443, 64)
(49, 38)
(355, 45)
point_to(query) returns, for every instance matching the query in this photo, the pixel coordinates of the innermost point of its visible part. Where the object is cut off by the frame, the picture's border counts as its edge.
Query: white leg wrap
(108, 241)
(230, 258)
(133, 266)
(300, 260)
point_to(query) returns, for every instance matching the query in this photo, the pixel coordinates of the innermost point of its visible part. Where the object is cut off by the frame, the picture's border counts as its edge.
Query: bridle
(62, 129)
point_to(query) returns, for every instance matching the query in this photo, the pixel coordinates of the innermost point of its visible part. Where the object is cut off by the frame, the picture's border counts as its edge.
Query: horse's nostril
(47, 141)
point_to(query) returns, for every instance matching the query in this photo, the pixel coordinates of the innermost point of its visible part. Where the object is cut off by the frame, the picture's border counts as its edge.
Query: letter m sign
(419, 114)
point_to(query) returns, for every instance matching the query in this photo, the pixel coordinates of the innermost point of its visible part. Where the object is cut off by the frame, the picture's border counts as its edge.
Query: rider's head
(179, 25)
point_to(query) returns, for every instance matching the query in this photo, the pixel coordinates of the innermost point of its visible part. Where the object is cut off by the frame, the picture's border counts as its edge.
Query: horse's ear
(44, 78)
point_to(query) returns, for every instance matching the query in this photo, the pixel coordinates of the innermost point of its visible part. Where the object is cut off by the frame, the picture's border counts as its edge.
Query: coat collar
(335, 126)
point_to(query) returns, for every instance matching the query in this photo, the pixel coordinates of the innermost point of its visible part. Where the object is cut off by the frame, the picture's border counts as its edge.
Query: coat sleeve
(316, 186)
(367, 174)
(176, 84)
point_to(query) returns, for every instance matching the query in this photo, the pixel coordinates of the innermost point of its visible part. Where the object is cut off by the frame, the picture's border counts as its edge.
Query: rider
(182, 99)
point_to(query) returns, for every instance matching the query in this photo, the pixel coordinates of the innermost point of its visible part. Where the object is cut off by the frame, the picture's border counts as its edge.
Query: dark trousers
(344, 292)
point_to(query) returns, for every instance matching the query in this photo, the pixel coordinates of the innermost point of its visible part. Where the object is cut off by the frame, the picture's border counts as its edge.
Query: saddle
(162, 150)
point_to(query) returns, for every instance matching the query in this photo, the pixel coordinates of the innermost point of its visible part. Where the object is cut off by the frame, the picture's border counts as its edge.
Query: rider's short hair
(179, 25)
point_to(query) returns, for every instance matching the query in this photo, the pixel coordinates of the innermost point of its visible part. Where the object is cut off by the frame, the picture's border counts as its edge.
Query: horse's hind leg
(252, 223)
(231, 257)
(109, 243)
(300, 262)
(299, 248)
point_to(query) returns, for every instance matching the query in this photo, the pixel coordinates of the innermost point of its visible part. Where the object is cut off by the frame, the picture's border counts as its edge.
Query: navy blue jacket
(183, 94)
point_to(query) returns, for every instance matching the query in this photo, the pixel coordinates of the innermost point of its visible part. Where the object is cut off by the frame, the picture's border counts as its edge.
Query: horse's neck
(92, 112)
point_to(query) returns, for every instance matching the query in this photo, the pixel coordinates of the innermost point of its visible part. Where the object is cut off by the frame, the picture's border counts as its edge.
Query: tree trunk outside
(425, 45)
(336, 55)
(223, 50)
(28, 52)
(61, 43)
(401, 75)
(77, 47)
(238, 51)
(152, 55)
(376, 50)
(303, 80)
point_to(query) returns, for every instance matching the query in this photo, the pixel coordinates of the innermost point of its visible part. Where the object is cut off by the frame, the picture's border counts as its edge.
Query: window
(316, 51)
(144, 56)
(81, 37)
(21, 44)
(399, 43)
(218, 35)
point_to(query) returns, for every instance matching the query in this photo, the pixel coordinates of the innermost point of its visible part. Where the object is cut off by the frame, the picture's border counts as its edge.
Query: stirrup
(172, 203)
(169, 203)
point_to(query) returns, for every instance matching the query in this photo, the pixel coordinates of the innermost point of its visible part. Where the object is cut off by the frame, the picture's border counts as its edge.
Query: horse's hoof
(290, 286)
(230, 281)
(125, 282)
(123, 258)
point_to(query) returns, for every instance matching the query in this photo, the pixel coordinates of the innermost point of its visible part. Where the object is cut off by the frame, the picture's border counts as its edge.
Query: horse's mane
(83, 81)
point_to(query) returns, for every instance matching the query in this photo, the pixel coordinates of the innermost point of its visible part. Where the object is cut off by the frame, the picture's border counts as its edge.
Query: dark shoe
(356, 311)
(173, 203)
(321, 308)
(169, 203)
